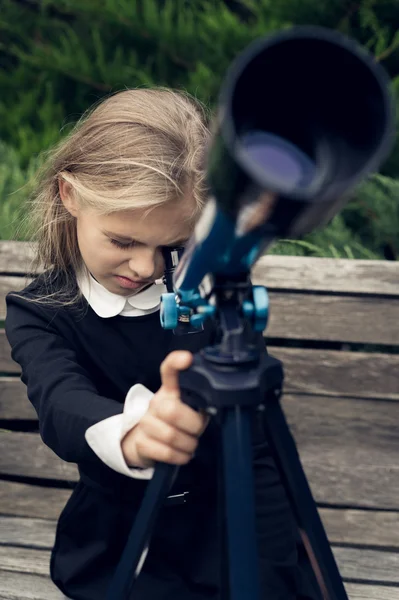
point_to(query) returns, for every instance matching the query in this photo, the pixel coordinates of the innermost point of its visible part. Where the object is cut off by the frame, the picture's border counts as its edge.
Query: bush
(57, 57)
(15, 186)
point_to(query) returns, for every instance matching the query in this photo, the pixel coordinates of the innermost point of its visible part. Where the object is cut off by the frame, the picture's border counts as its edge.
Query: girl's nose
(143, 263)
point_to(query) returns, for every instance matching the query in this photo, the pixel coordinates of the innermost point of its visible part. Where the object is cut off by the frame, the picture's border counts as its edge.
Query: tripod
(232, 380)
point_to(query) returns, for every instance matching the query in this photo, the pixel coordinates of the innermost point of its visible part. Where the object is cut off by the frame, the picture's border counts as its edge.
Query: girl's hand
(169, 430)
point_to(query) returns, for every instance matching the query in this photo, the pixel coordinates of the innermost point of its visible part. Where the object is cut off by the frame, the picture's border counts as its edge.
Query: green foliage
(31, 132)
(366, 228)
(15, 187)
(373, 216)
(334, 241)
(58, 57)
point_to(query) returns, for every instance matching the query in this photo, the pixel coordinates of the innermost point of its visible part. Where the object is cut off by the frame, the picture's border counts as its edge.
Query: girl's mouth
(129, 284)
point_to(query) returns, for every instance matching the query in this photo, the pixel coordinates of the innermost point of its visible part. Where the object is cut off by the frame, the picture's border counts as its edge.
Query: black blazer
(78, 369)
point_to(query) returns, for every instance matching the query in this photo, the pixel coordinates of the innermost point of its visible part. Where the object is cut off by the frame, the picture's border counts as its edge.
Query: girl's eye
(121, 245)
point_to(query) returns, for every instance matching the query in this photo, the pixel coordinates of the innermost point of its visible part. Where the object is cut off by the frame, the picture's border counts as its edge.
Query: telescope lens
(284, 164)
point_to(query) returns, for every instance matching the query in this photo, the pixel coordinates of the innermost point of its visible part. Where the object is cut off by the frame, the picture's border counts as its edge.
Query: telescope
(304, 115)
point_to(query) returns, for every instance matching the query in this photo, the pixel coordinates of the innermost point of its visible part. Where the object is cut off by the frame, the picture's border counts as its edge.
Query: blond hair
(138, 148)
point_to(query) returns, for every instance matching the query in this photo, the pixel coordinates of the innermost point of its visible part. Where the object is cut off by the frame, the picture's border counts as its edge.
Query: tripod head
(304, 115)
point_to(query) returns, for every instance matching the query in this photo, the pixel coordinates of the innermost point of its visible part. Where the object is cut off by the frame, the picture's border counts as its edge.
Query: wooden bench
(341, 400)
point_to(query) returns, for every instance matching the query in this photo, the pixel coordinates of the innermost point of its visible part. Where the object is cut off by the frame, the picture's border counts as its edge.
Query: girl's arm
(79, 424)
(66, 401)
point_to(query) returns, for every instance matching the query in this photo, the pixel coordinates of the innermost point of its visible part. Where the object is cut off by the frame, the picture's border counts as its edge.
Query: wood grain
(24, 586)
(26, 545)
(367, 319)
(20, 586)
(16, 257)
(39, 534)
(25, 454)
(357, 591)
(353, 563)
(327, 275)
(348, 447)
(7, 284)
(352, 318)
(24, 560)
(284, 272)
(335, 373)
(343, 526)
(326, 372)
(27, 532)
(24, 500)
(361, 564)
(14, 403)
(7, 365)
(310, 317)
(361, 527)
(368, 565)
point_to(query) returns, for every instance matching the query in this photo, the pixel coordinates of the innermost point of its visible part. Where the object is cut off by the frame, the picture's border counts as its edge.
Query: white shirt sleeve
(105, 437)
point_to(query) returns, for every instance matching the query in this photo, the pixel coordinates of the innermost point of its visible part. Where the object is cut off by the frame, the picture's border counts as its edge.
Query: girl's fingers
(155, 451)
(176, 361)
(172, 411)
(164, 433)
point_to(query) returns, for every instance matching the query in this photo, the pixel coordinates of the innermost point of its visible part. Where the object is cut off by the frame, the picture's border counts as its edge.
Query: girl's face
(123, 250)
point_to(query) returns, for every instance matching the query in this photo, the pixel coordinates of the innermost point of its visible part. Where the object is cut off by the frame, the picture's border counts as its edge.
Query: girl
(101, 372)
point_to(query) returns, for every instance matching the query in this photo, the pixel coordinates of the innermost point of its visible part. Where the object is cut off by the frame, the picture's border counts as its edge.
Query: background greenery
(57, 57)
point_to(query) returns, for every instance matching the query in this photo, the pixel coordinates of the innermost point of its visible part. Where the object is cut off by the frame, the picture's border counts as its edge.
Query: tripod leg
(286, 457)
(137, 544)
(240, 504)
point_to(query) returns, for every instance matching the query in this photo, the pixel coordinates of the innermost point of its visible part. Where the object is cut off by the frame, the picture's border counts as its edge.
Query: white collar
(107, 304)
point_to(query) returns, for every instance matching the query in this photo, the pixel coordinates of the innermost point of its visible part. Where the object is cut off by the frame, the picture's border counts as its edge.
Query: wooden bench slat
(14, 403)
(364, 527)
(8, 284)
(21, 586)
(26, 455)
(335, 373)
(354, 563)
(7, 365)
(348, 447)
(327, 275)
(27, 532)
(333, 318)
(24, 586)
(20, 500)
(25, 560)
(16, 257)
(358, 591)
(296, 316)
(323, 318)
(34, 501)
(327, 372)
(365, 564)
(368, 565)
(273, 271)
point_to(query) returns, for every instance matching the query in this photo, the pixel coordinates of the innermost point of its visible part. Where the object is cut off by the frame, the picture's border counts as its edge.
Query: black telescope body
(303, 116)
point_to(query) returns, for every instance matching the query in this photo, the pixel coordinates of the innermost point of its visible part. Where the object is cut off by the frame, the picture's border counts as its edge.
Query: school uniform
(90, 372)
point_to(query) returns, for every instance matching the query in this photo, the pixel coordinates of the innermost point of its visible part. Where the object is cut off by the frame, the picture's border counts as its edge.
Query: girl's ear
(67, 197)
